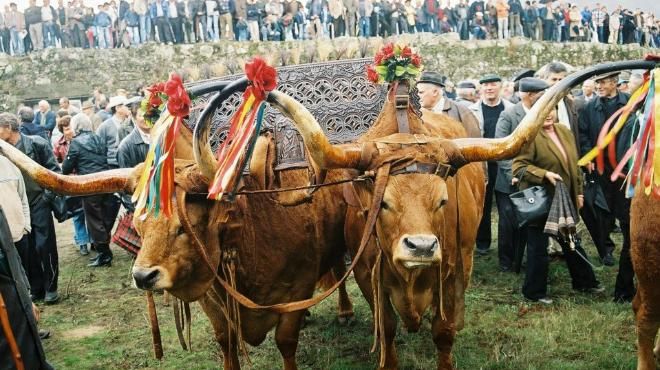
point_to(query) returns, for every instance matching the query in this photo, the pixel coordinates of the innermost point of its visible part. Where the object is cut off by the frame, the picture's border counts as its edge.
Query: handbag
(531, 204)
(63, 206)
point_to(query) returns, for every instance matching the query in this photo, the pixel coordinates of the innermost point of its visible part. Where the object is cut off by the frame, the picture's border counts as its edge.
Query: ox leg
(286, 337)
(344, 301)
(444, 331)
(229, 352)
(389, 317)
(647, 329)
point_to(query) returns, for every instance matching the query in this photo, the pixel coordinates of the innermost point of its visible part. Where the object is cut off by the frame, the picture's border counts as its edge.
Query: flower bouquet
(394, 63)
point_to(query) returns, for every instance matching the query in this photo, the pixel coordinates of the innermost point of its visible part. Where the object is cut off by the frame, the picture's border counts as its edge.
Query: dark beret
(466, 85)
(606, 75)
(432, 78)
(531, 84)
(490, 78)
(522, 74)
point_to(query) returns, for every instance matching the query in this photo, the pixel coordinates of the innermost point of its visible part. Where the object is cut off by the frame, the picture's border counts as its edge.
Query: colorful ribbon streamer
(155, 188)
(236, 150)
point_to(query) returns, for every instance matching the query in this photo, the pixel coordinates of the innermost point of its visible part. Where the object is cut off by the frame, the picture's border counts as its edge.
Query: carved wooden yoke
(337, 93)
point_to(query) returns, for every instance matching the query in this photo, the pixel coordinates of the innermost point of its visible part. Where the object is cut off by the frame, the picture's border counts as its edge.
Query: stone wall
(75, 72)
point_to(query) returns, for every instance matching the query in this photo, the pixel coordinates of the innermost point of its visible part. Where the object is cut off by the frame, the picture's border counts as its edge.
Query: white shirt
(563, 115)
(172, 10)
(146, 138)
(439, 106)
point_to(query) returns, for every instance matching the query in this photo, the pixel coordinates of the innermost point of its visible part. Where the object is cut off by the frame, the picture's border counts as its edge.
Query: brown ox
(420, 256)
(280, 252)
(645, 254)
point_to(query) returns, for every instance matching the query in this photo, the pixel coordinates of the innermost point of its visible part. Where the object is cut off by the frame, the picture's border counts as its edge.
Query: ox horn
(325, 154)
(111, 181)
(202, 151)
(476, 150)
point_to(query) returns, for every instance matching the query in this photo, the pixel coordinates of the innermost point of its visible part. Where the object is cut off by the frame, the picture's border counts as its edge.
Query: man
(588, 88)
(41, 259)
(45, 117)
(112, 130)
(488, 110)
(66, 105)
(16, 24)
(567, 111)
(48, 18)
(466, 93)
(592, 118)
(102, 115)
(28, 127)
(510, 239)
(431, 94)
(159, 13)
(34, 25)
(76, 13)
(175, 18)
(4, 31)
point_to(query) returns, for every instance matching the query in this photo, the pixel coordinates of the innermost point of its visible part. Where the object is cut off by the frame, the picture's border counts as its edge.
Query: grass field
(101, 323)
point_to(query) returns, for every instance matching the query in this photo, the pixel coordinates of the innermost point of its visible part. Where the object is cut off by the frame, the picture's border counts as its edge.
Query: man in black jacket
(592, 118)
(28, 127)
(133, 151)
(41, 259)
(15, 293)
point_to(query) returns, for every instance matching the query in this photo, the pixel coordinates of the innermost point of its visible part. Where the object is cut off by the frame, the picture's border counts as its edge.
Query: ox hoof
(346, 320)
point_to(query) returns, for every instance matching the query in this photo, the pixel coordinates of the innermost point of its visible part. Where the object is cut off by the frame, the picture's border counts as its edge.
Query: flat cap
(432, 78)
(531, 84)
(522, 74)
(490, 78)
(466, 85)
(606, 75)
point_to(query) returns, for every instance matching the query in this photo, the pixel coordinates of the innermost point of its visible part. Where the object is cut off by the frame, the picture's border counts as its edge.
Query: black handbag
(531, 204)
(63, 206)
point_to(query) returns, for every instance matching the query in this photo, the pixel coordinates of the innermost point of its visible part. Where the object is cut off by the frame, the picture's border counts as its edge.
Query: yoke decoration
(236, 150)
(394, 63)
(642, 159)
(169, 104)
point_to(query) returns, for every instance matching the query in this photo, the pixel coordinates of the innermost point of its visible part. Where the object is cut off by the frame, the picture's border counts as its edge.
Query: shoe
(44, 334)
(482, 252)
(37, 297)
(92, 259)
(505, 269)
(608, 260)
(596, 290)
(102, 260)
(83, 250)
(544, 300)
(51, 297)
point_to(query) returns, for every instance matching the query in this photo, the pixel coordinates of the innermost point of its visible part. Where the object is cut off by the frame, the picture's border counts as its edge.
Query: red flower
(406, 52)
(262, 76)
(178, 101)
(416, 60)
(372, 75)
(379, 57)
(155, 100)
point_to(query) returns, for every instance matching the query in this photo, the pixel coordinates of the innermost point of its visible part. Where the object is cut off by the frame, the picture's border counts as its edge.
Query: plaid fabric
(125, 235)
(562, 219)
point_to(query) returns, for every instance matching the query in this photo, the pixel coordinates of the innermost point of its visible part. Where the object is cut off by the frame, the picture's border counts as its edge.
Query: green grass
(101, 323)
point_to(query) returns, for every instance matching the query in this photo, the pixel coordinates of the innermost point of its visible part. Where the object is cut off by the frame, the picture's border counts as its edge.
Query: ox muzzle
(146, 278)
(418, 251)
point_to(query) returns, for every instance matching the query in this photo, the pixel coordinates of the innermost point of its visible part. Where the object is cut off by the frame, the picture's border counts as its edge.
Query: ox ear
(188, 177)
(263, 160)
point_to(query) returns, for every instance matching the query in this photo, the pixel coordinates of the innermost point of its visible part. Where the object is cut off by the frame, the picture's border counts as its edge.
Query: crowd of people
(123, 24)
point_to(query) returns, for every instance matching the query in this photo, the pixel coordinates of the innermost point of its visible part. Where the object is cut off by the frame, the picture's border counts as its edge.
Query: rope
(155, 329)
(9, 334)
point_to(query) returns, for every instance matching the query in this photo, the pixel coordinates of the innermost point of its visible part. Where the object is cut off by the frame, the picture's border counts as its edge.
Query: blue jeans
(16, 42)
(365, 26)
(145, 28)
(212, 27)
(50, 34)
(80, 236)
(103, 36)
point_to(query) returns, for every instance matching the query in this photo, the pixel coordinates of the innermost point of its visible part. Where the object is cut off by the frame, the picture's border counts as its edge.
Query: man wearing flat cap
(592, 118)
(466, 93)
(510, 240)
(430, 89)
(488, 110)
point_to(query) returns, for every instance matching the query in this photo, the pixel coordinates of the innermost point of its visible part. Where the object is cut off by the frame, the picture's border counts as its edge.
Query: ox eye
(384, 205)
(442, 203)
(180, 231)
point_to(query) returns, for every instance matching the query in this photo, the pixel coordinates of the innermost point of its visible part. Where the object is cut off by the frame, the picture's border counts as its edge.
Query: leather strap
(401, 102)
(379, 190)
(155, 329)
(439, 169)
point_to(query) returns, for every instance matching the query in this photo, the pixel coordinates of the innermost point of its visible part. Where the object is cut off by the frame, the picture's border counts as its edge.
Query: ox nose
(145, 278)
(421, 245)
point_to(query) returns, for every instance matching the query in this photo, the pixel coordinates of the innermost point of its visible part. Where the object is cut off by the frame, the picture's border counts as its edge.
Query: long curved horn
(325, 154)
(103, 182)
(475, 150)
(201, 148)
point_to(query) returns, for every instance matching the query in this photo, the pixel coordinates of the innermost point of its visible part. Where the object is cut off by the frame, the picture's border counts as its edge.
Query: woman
(88, 154)
(80, 235)
(552, 157)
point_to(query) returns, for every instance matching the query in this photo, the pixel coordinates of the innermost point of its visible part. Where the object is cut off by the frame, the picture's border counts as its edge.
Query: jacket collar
(620, 100)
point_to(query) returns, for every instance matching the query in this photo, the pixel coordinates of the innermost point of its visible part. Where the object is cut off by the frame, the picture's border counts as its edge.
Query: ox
(275, 262)
(420, 254)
